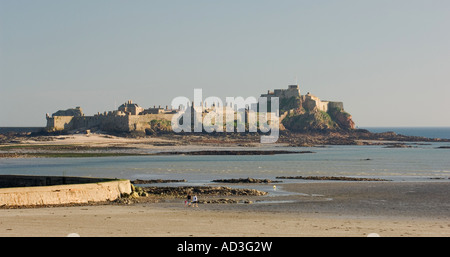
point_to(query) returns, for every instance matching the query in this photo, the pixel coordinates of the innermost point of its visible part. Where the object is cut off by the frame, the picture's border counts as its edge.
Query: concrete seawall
(108, 190)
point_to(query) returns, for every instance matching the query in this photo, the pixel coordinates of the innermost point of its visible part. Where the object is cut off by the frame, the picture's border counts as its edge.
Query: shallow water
(419, 163)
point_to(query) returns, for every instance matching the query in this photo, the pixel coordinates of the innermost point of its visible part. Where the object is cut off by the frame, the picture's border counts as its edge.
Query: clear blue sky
(388, 61)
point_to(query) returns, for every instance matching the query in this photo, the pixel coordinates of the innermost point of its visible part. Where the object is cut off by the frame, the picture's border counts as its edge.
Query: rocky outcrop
(332, 178)
(398, 145)
(154, 181)
(232, 152)
(317, 120)
(225, 201)
(246, 180)
(202, 190)
(342, 118)
(314, 120)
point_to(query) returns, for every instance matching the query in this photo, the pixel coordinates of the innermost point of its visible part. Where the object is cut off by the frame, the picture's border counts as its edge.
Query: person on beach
(195, 201)
(188, 201)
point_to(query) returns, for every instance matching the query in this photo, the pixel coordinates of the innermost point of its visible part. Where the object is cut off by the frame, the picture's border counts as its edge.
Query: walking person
(189, 197)
(195, 201)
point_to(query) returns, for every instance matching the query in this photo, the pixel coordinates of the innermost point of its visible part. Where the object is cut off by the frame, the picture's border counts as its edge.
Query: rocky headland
(43, 144)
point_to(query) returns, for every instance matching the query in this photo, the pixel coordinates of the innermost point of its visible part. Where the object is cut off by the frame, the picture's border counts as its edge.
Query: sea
(430, 132)
(422, 161)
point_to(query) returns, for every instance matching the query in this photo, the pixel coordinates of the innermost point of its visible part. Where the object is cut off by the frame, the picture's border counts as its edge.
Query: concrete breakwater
(49, 190)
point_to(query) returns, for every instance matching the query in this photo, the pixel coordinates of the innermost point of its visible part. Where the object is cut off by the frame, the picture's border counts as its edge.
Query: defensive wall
(116, 123)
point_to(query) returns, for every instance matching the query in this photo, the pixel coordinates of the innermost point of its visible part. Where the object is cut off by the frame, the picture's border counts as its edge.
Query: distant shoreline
(441, 132)
(112, 154)
(29, 144)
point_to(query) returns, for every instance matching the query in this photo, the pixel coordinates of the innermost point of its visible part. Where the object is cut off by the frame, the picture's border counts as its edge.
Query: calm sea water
(421, 162)
(4, 130)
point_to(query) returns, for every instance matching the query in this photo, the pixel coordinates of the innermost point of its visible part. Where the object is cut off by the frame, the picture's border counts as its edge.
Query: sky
(388, 61)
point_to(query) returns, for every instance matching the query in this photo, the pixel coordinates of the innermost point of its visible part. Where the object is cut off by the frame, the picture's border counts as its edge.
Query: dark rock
(332, 178)
(233, 152)
(398, 145)
(203, 191)
(154, 181)
(225, 201)
(246, 180)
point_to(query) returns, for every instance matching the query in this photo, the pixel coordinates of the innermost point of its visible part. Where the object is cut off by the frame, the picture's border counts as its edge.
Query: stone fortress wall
(310, 102)
(129, 117)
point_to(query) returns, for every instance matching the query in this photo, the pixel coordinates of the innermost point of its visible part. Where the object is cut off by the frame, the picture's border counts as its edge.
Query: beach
(414, 203)
(389, 209)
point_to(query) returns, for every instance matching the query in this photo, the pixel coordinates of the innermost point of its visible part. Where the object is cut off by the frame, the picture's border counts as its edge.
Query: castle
(309, 101)
(128, 117)
(131, 117)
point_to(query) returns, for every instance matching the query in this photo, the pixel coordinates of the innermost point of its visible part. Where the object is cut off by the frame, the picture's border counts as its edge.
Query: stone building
(131, 108)
(291, 91)
(159, 110)
(308, 101)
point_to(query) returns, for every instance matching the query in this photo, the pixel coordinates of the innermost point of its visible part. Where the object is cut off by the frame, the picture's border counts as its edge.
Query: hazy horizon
(388, 61)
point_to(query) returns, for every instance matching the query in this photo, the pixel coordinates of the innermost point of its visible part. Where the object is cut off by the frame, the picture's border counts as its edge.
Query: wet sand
(318, 209)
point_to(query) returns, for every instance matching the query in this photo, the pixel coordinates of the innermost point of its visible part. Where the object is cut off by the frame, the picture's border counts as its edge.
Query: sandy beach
(323, 209)
(314, 208)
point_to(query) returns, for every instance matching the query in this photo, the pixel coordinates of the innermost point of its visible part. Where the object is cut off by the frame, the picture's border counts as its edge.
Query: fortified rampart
(142, 122)
(128, 117)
